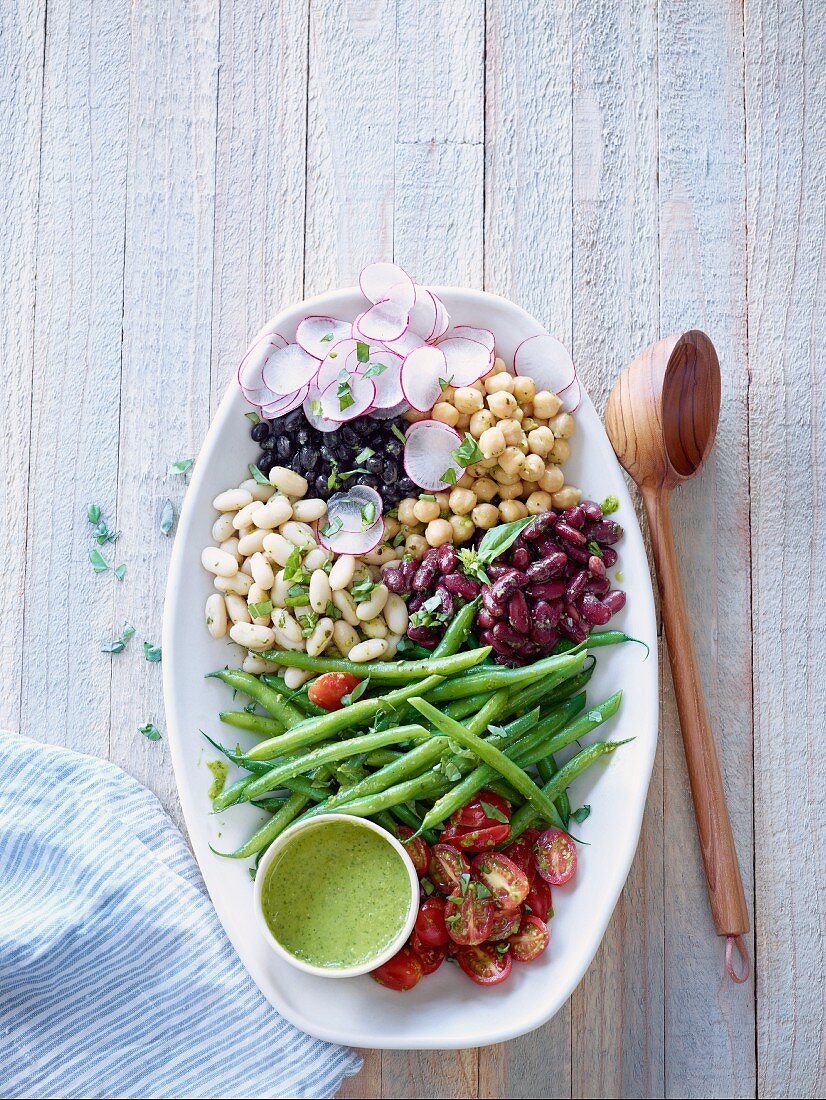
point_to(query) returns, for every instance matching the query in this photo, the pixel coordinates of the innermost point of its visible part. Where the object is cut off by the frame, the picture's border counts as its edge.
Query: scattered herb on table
(150, 731)
(167, 517)
(152, 653)
(181, 466)
(117, 645)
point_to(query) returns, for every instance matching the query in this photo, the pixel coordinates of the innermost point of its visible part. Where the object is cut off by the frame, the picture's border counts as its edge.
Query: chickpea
(445, 413)
(465, 481)
(552, 480)
(391, 527)
(562, 426)
(426, 510)
(502, 404)
(462, 501)
(509, 510)
(443, 500)
(511, 492)
(462, 528)
(546, 405)
(480, 422)
(533, 469)
(503, 477)
(561, 451)
(416, 546)
(530, 422)
(519, 413)
(538, 502)
(463, 423)
(468, 400)
(512, 460)
(438, 532)
(541, 441)
(407, 514)
(491, 442)
(512, 431)
(485, 516)
(413, 416)
(479, 386)
(448, 394)
(524, 389)
(496, 382)
(498, 366)
(486, 489)
(567, 497)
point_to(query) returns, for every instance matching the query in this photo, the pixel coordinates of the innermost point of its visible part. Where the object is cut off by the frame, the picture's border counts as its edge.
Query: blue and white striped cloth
(116, 978)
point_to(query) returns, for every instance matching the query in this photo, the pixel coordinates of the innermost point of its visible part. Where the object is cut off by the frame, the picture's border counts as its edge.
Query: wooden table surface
(174, 171)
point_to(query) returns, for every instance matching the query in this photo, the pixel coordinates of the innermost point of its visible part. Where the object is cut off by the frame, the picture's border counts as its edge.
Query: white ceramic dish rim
(281, 843)
(427, 1038)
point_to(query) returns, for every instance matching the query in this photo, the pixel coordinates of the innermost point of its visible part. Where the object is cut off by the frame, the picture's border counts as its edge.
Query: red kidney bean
(572, 611)
(575, 516)
(615, 601)
(548, 590)
(592, 510)
(540, 526)
(496, 571)
(570, 534)
(460, 585)
(489, 602)
(606, 531)
(505, 634)
(521, 558)
(547, 546)
(577, 586)
(425, 575)
(447, 600)
(593, 610)
(416, 601)
(518, 614)
(423, 635)
(542, 634)
(446, 558)
(394, 579)
(579, 554)
(572, 630)
(596, 566)
(505, 587)
(609, 556)
(548, 567)
(485, 620)
(598, 585)
(547, 614)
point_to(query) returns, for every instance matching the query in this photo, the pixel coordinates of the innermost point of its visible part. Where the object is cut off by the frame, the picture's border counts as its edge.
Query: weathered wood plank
(22, 32)
(77, 382)
(166, 333)
(617, 1025)
(786, 135)
(702, 265)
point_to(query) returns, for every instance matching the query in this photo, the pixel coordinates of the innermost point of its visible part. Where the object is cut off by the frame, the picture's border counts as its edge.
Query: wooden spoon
(661, 419)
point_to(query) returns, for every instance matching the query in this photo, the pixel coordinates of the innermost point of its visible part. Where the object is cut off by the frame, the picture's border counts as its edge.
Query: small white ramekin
(281, 843)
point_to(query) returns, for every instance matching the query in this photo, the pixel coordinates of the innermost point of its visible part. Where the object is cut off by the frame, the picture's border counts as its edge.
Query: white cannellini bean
(243, 518)
(392, 641)
(295, 678)
(216, 615)
(383, 553)
(256, 665)
(230, 546)
(370, 609)
(277, 547)
(222, 528)
(310, 509)
(299, 534)
(288, 481)
(345, 636)
(280, 590)
(246, 567)
(252, 544)
(237, 608)
(232, 500)
(256, 490)
(342, 572)
(252, 637)
(320, 593)
(262, 571)
(395, 614)
(217, 561)
(275, 512)
(239, 585)
(367, 651)
(376, 628)
(347, 606)
(258, 595)
(316, 558)
(284, 623)
(320, 637)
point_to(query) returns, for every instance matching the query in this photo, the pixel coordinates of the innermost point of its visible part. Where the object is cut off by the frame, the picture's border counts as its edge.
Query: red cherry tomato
(555, 855)
(507, 883)
(477, 814)
(539, 900)
(469, 919)
(479, 840)
(447, 866)
(329, 689)
(429, 956)
(505, 924)
(531, 835)
(531, 939)
(430, 923)
(521, 852)
(483, 964)
(417, 849)
(401, 972)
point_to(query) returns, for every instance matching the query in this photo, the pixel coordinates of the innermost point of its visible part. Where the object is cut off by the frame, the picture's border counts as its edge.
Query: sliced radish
(388, 414)
(367, 495)
(318, 420)
(421, 376)
(256, 355)
(316, 335)
(544, 359)
(571, 396)
(423, 314)
(283, 405)
(405, 344)
(377, 280)
(288, 369)
(384, 368)
(466, 361)
(442, 319)
(387, 319)
(335, 362)
(480, 335)
(349, 526)
(347, 397)
(428, 455)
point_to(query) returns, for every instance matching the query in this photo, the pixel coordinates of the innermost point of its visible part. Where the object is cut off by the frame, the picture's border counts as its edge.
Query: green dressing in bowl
(337, 895)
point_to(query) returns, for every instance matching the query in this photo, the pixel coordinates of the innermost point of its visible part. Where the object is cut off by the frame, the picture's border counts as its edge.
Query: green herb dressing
(337, 895)
(219, 769)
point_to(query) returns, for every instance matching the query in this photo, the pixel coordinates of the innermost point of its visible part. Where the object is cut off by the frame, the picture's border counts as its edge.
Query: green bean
(417, 761)
(299, 696)
(488, 754)
(272, 803)
(387, 821)
(270, 700)
(312, 730)
(379, 757)
(384, 672)
(457, 632)
(599, 638)
(551, 670)
(574, 685)
(407, 817)
(269, 830)
(525, 815)
(257, 723)
(548, 767)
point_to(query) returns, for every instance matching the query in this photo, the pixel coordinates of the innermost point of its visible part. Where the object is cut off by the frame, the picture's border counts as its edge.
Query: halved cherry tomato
(478, 840)
(539, 900)
(330, 688)
(531, 939)
(447, 865)
(507, 883)
(521, 852)
(469, 919)
(401, 972)
(477, 814)
(431, 957)
(505, 924)
(430, 922)
(555, 855)
(483, 964)
(417, 849)
(531, 835)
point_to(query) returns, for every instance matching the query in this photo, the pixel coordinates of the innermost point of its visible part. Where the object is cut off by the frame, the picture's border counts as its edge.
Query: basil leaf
(362, 351)
(333, 527)
(345, 396)
(181, 466)
(362, 456)
(120, 572)
(152, 653)
(99, 563)
(316, 408)
(150, 731)
(374, 370)
(167, 517)
(498, 539)
(258, 610)
(253, 417)
(494, 812)
(257, 475)
(449, 476)
(584, 811)
(93, 513)
(369, 513)
(468, 451)
(394, 428)
(357, 692)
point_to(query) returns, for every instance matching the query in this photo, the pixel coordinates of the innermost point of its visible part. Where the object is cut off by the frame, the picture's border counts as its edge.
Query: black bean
(260, 432)
(308, 457)
(265, 462)
(374, 464)
(284, 447)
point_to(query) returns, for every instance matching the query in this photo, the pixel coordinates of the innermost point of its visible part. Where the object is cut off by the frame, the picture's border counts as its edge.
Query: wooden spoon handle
(725, 885)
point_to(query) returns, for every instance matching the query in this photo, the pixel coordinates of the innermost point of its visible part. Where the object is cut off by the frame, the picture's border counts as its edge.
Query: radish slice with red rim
(388, 319)
(405, 344)
(251, 366)
(442, 319)
(313, 410)
(347, 397)
(388, 414)
(316, 335)
(377, 280)
(428, 455)
(287, 369)
(283, 405)
(335, 362)
(571, 396)
(421, 376)
(384, 368)
(466, 361)
(544, 359)
(353, 524)
(424, 314)
(480, 335)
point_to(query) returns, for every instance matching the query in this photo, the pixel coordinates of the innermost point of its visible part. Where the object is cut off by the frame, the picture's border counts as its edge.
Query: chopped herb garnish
(332, 612)
(362, 351)
(308, 623)
(181, 466)
(345, 396)
(357, 692)
(472, 566)
(580, 814)
(363, 455)
(120, 572)
(394, 428)
(369, 514)
(316, 407)
(374, 370)
(150, 731)
(99, 563)
(253, 417)
(449, 476)
(327, 338)
(294, 572)
(610, 505)
(257, 475)
(167, 517)
(464, 882)
(595, 548)
(494, 812)
(468, 451)
(430, 613)
(362, 589)
(333, 527)
(426, 496)
(260, 610)
(93, 513)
